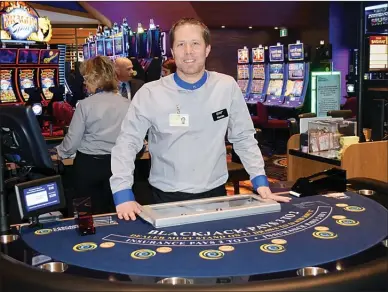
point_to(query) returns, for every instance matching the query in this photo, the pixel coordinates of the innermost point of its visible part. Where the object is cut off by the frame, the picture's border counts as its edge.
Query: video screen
(294, 89)
(376, 19)
(243, 56)
(243, 72)
(47, 77)
(49, 56)
(39, 197)
(85, 49)
(275, 88)
(258, 55)
(26, 79)
(296, 71)
(8, 56)
(28, 56)
(92, 49)
(258, 71)
(109, 47)
(119, 46)
(243, 84)
(7, 94)
(257, 86)
(100, 48)
(276, 71)
(378, 53)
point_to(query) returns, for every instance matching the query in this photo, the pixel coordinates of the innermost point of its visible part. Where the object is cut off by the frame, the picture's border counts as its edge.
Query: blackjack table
(336, 240)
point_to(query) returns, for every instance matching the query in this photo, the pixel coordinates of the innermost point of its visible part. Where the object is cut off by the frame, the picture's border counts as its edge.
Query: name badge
(179, 120)
(218, 115)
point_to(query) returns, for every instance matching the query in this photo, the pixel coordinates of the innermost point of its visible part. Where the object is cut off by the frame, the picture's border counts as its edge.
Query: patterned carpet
(276, 170)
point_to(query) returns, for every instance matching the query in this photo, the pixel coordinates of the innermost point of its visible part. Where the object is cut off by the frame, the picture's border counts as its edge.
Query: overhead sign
(21, 22)
(376, 19)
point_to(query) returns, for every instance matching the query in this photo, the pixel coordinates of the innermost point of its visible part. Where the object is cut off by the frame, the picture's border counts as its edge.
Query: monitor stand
(5, 228)
(34, 222)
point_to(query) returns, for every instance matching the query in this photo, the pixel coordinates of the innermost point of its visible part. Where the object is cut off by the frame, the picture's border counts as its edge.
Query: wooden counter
(369, 160)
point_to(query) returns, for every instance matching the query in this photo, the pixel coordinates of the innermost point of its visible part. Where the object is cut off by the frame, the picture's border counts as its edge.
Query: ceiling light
(250, 27)
(222, 26)
(276, 27)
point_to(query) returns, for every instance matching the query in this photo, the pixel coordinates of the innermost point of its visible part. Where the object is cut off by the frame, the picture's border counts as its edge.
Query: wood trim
(96, 14)
(61, 10)
(76, 25)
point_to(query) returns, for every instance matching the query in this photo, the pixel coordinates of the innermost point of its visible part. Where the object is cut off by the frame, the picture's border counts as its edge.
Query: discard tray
(201, 210)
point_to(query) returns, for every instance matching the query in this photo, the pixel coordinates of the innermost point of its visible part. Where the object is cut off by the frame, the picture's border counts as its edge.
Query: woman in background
(93, 131)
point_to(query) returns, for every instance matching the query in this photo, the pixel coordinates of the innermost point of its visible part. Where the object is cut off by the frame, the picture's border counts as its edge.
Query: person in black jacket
(128, 85)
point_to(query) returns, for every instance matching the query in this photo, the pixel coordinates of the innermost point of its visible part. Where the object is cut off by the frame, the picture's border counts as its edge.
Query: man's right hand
(128, 210)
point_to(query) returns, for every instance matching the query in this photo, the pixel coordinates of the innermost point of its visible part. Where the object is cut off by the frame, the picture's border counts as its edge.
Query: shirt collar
(190, 86)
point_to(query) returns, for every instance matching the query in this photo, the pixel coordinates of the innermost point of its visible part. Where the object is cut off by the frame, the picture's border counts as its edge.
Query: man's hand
(128, 210)
(266, 193)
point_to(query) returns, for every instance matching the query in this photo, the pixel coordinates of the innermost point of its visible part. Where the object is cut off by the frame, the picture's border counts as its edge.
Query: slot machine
(244, 71)
(48, 72)
(260, 74)
(298, 78)
(277, 76)
(8, 93)
(27, 71)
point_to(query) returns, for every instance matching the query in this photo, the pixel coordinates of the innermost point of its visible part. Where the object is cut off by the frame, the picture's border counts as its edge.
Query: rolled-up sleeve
(128, 144)
(241, 133)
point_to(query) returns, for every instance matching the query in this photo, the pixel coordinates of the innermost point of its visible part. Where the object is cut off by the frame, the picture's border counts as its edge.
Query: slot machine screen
(7, 94)
(243, 56)
(26, 80)
(109, 47)
(28, 56)
(92, 49)
(85, 49)
(100, 48)
(243, 72)
(276, 72)
(119, 46)
(8, 56)
(258, 55)
(47, 80)
(295, 83)
(378, 53)
(49, 56)
(258, 78)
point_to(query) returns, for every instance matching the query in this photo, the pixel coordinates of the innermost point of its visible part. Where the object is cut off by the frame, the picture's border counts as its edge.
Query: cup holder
(311, 271)
(366, 192)
(175, 281)
(385, 242)
(5, 239)
(54, 267)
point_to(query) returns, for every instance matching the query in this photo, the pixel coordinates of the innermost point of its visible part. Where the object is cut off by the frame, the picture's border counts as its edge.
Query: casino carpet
(276, 170)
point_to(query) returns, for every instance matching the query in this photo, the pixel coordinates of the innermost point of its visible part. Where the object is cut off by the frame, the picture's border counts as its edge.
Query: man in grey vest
(128, 86)
(187, 115)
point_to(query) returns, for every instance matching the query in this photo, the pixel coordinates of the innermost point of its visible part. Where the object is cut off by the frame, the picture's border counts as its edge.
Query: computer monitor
(40, 196)
(22, 138)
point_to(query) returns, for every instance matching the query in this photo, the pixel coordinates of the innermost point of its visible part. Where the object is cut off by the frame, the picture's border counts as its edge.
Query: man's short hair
(193, 21)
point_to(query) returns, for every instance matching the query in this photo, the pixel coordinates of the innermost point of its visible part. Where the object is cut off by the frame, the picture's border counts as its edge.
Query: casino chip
(279, 241)
(336, 217)
(84, 246)
(43, 231)
(226, 248)
(107, 244)
(143, 254)
(321, 228)
(354, 209)
(347, 222)
(325, 235)
(272, 248)
(211, 254)
(341, 205)
(164, 249)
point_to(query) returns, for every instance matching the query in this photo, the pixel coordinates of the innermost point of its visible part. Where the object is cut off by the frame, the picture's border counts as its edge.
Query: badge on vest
(178, 120)
(218, 115)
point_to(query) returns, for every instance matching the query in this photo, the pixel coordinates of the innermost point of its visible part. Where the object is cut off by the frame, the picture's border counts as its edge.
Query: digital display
(294, 89)
(28, 56)
(243, 56)
(26, 79)
(8, 56)
(109, 47)
(275, 88)
(49, 56)
(100, 48)
(119, 46)
(296, 70)
(257, 86)
(85, 49)
(41, 196)
(243, 84)
(378, 53)
(276, 71)
(258, 78)
(7, 94)
(47, 77)
(296, 52)
(258, 55)
(376, 19)
(243, 72)
(92, 49)
(276, 53)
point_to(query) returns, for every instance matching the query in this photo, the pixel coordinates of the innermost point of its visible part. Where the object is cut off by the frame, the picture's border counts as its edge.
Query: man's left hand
(266, 193)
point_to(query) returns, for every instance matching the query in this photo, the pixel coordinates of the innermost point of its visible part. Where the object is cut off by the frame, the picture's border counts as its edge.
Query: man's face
(189, 49)
(125, 70)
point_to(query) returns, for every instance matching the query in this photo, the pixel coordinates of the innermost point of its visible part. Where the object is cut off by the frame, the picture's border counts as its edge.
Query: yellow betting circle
(211, 254)
(43, 231)
(347, 222)
(273, 248)
(325, 235)
(143, 254)
(84, 246)
(354, 209)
